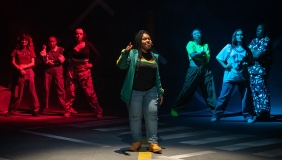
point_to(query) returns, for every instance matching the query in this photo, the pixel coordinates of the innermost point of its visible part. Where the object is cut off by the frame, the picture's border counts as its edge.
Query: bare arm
(18, 67)
(199, 55)
(31, 64)
(224, 65)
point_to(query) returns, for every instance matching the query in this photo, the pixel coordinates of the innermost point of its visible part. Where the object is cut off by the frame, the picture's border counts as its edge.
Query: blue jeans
(225, 94)
(144, 103)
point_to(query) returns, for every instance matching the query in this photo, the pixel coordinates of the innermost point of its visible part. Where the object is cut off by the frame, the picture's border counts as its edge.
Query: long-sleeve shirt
(85, 53)
(264, 61)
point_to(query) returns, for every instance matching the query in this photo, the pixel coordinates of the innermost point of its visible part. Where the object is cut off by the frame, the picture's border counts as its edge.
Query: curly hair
(27, 37)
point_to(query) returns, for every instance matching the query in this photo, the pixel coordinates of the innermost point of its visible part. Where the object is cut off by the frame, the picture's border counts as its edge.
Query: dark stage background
(111, 24)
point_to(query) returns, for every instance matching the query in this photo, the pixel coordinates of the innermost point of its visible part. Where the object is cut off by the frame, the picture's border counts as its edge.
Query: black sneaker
(9, 113)
(35, 113)
(41, 111)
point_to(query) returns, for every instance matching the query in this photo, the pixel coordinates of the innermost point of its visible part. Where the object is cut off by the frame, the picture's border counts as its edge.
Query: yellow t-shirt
(194, 47)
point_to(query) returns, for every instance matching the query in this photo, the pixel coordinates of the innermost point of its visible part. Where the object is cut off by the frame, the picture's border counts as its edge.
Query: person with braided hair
(142, 90)
(261, 48)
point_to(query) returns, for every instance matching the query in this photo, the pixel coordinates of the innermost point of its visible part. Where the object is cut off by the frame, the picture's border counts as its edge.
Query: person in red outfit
(23, 59)
(79, 72)
(53, 60)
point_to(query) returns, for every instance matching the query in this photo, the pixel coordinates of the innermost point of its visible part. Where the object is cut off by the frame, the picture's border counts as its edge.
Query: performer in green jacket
(142, 90)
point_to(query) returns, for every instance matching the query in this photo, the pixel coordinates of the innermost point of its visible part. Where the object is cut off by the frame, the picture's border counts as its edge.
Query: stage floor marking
(189, 134)
(66, 139)
(215, 139)
(180, 157)
(144, 155)
(249, 144)
(98, 123)
(271, 153)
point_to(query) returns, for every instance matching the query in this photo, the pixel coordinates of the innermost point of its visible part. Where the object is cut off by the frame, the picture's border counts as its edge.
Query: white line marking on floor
(66, 139)
(271, 153)
(215, 139)
(80, 118)
(112, 129)
(190, 134)
(73, 121)
(123, 133)
(116, 128)
(178, 128)
(179, 157)
(166, 129)
(98, 123)
(249, 144)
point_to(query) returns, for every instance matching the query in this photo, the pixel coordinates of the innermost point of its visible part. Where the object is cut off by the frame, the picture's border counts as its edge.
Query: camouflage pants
(81, 74)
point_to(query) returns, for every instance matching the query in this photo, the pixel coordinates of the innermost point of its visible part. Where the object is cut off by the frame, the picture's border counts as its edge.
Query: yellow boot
(135, 146)
(154, 147)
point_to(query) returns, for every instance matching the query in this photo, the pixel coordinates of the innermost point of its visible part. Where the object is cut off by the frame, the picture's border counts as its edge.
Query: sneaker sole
(157, 151)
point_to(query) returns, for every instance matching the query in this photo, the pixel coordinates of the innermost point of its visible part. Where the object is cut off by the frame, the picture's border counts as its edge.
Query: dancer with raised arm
(142, 91)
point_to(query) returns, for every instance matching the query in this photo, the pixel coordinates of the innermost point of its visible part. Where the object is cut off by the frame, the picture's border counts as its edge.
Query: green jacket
(128, 60)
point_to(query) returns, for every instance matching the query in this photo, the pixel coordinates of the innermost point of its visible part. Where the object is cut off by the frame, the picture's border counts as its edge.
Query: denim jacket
(128, 60)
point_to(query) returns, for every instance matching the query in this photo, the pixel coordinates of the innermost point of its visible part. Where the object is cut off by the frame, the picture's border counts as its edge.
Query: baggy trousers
(18, 85)
(57, 74)
(197, 76)
(80, 73)
(225, 95)
(261, 96)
